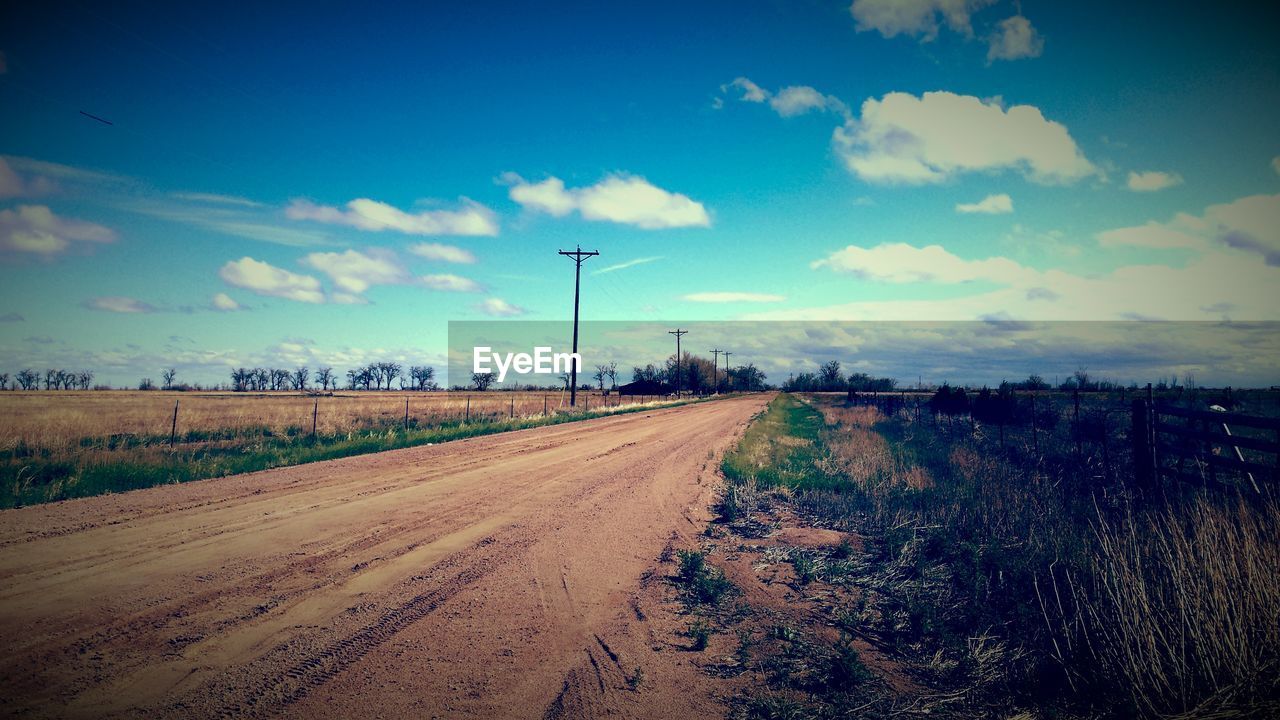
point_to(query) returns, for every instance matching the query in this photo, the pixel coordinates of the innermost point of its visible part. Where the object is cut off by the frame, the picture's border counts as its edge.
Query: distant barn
(644, 387)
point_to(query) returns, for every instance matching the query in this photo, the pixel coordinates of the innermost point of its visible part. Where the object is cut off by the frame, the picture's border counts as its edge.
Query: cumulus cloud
(450, 283)
(498, 307)
(119, 304)
(266, 279)
(471, 219)
(443, 253)
(223, 302)
(1250, 224)
(353, 272)
(734, 297)
(36, 230)
(903, 263)
(624, 199)
(990, 205)
(789, 101)
(12, 317)
(1013, 39)
(1152, 180)
(916, 18)
(906, 139)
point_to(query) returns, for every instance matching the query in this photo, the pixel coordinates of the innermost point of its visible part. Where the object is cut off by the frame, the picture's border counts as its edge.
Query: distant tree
(261, 379)
(747, 377)
(29, 379)
(862, 382)
(612, 372)
(51, 379)
(1033, 382)
(168, 376)
(565, 379)
(648, 374)
(324, 376)
(84, 379)
(146, 384)
(300, 378)
(482, 381)
(829, 376)
(4, 381)
(281, 379)
(602, 372)
(422, 377)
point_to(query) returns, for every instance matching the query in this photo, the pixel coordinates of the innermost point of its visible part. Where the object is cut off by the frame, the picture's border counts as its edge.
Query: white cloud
(624, 199)
(1250, 225)
(216, 199)
(13, 185)
(627, 264)
(733, 297)
(119, 304)
(915, 17)
(789, 101)
(471, 219)
(353, 272)
(905, 139)
(751, 92)
(35, 229)
(990, 205)
(451, 283)
(266, 279)
(1013, 39)
(903, 263)
(1152, 180)
(223, 302)
(443, 253)
(498, 307)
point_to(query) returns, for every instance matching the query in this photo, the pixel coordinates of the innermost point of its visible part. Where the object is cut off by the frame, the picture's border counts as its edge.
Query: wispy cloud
(120, 304)
(12, 317)
(990, 205)
(624, 199)
(216, 199)
(734, 297)
(627, 264)
(443, 253)
(497, 307)
(1152, 180)
(789, 101)
(450, 283)
(471, 218)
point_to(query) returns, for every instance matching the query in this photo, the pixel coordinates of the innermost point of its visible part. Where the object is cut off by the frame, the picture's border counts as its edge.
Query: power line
(579, 256)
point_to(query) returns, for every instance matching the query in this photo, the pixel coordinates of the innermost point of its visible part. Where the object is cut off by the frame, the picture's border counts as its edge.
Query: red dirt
(492, 577)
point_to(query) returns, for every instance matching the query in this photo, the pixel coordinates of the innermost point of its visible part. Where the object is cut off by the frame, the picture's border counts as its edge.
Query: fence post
(406, 414)
(1143, 456)
(512, 414)
(544, 406)
(467, 419)
(173, 430)
(1035, 433)
(1075, 419)
(314, 412)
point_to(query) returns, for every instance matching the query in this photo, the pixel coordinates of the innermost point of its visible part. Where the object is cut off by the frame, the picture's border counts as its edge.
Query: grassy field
(1000, 579)
(59, 445)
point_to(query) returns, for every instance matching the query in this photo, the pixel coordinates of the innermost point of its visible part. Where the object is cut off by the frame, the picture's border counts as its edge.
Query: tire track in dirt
(501, 564)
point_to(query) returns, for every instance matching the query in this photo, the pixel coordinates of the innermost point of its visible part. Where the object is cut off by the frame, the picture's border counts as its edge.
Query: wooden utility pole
(715, 374)
(677, 332)
(726, 355)
(579, 256)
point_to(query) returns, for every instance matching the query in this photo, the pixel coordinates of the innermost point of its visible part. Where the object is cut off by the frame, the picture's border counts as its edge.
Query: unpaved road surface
(493, 577)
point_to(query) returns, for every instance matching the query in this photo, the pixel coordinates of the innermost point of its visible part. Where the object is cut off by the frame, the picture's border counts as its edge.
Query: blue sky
(331, 185)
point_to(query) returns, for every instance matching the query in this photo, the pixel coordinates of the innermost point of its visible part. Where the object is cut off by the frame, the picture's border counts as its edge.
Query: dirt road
(492, 577)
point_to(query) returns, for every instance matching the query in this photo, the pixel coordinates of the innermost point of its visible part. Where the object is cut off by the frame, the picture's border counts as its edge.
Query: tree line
(53, 379)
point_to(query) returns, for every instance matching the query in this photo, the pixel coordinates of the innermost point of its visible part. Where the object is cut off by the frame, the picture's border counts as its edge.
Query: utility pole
(715, 374)
(578, 257)
(726, 355)
(677, 332)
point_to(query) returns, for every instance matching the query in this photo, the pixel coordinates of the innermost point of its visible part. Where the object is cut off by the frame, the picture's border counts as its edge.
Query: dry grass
(57, 420)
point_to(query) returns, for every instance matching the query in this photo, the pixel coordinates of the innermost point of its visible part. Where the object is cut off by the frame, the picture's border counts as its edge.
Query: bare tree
(168, 375)
(84, 378)
(324, 376)
(146, 384)
(482, 381)
(300, 378)
(602, 372)
(423, 377)
(612, 372)
(29, 379)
